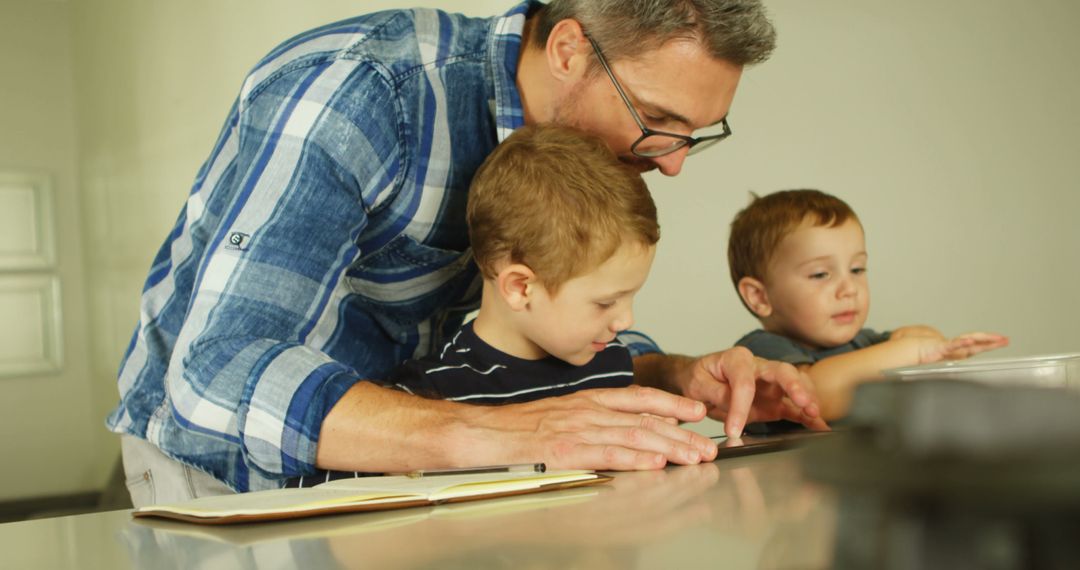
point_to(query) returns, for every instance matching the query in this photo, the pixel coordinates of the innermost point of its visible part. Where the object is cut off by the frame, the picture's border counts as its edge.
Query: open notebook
(366, 494)
(503, 511)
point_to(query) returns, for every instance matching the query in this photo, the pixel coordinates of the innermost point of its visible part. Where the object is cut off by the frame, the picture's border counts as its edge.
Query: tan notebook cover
(366, 494)
(345, 526)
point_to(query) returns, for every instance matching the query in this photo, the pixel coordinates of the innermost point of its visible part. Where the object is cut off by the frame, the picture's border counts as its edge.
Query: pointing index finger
(738, 368)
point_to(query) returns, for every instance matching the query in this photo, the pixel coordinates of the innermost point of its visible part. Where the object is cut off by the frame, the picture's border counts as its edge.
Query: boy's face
(816, 285)
(586, 312)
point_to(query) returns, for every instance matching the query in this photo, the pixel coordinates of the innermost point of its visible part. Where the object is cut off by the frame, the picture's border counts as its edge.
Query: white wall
(949, 126)
(49, 432)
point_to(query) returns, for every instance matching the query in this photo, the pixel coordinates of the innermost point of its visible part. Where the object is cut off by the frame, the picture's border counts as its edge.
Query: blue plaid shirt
(324, 239)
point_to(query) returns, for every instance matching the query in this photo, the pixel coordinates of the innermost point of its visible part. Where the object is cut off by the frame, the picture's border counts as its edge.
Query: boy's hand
(916, 330)
(963, 346)
(738, 388)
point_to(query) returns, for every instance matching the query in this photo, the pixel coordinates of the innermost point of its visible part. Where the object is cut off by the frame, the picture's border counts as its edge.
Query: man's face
(678, 88)
(588, 310)
(816, 285)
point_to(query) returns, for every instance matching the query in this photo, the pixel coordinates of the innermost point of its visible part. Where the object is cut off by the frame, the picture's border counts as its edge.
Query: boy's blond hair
(759, 228)
(557, 200)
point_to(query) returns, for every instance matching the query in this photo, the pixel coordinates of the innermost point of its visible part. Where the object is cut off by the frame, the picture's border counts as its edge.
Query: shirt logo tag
(238, 241)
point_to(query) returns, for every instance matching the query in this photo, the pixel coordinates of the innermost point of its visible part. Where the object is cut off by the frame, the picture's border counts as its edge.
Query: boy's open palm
(960, 347)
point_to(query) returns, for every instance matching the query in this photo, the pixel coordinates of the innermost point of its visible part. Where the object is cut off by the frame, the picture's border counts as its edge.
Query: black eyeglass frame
(695, 144)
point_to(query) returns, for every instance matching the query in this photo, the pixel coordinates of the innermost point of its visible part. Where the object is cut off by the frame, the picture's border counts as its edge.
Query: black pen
(517, 468)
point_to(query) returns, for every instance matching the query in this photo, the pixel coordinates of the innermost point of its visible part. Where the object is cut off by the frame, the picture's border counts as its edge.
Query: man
(324, 242)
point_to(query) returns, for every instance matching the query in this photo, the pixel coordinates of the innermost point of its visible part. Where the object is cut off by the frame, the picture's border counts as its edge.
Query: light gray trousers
(155, 478)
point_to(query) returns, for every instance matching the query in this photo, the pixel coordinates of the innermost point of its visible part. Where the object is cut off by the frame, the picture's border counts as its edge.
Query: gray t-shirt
(776, 347)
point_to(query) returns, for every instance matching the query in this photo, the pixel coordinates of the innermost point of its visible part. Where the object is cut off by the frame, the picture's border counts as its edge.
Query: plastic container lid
(1049, 370)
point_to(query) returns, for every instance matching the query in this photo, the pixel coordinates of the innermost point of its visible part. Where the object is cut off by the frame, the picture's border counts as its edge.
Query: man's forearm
(377, 429)
(662, 371)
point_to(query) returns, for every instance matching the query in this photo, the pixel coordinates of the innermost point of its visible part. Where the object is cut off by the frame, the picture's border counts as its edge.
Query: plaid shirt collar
(505, 46)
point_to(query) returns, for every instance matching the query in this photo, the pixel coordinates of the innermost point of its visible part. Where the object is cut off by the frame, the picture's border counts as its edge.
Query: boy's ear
(754, 295)
(515, 283)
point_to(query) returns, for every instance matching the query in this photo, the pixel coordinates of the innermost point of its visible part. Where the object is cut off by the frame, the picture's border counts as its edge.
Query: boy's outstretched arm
(916, 330)
(835, 377)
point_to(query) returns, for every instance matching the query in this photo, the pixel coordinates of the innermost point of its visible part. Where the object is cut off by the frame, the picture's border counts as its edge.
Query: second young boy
(798, 260)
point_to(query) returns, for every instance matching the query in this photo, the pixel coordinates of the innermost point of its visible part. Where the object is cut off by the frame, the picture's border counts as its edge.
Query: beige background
(950, 127)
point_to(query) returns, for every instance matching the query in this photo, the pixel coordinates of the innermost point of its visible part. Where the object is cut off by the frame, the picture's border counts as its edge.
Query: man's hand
(376, 429)
(614, 429)
(738, 387)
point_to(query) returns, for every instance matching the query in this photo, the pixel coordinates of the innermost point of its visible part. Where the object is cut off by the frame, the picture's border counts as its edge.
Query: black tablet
(751, 444)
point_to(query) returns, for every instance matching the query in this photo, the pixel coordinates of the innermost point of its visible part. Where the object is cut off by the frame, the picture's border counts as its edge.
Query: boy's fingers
(994, 339)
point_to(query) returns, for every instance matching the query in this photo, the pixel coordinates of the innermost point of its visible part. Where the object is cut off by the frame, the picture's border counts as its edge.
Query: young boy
(798, 261)
(564, 236)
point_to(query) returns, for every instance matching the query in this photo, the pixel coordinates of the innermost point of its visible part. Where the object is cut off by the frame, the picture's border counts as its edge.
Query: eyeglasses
(653, 143)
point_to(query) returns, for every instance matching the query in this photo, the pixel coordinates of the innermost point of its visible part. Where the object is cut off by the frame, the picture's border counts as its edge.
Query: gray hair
(737, 31)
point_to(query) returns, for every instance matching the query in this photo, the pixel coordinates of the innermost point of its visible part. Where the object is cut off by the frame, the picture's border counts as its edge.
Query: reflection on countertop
(753, 511)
